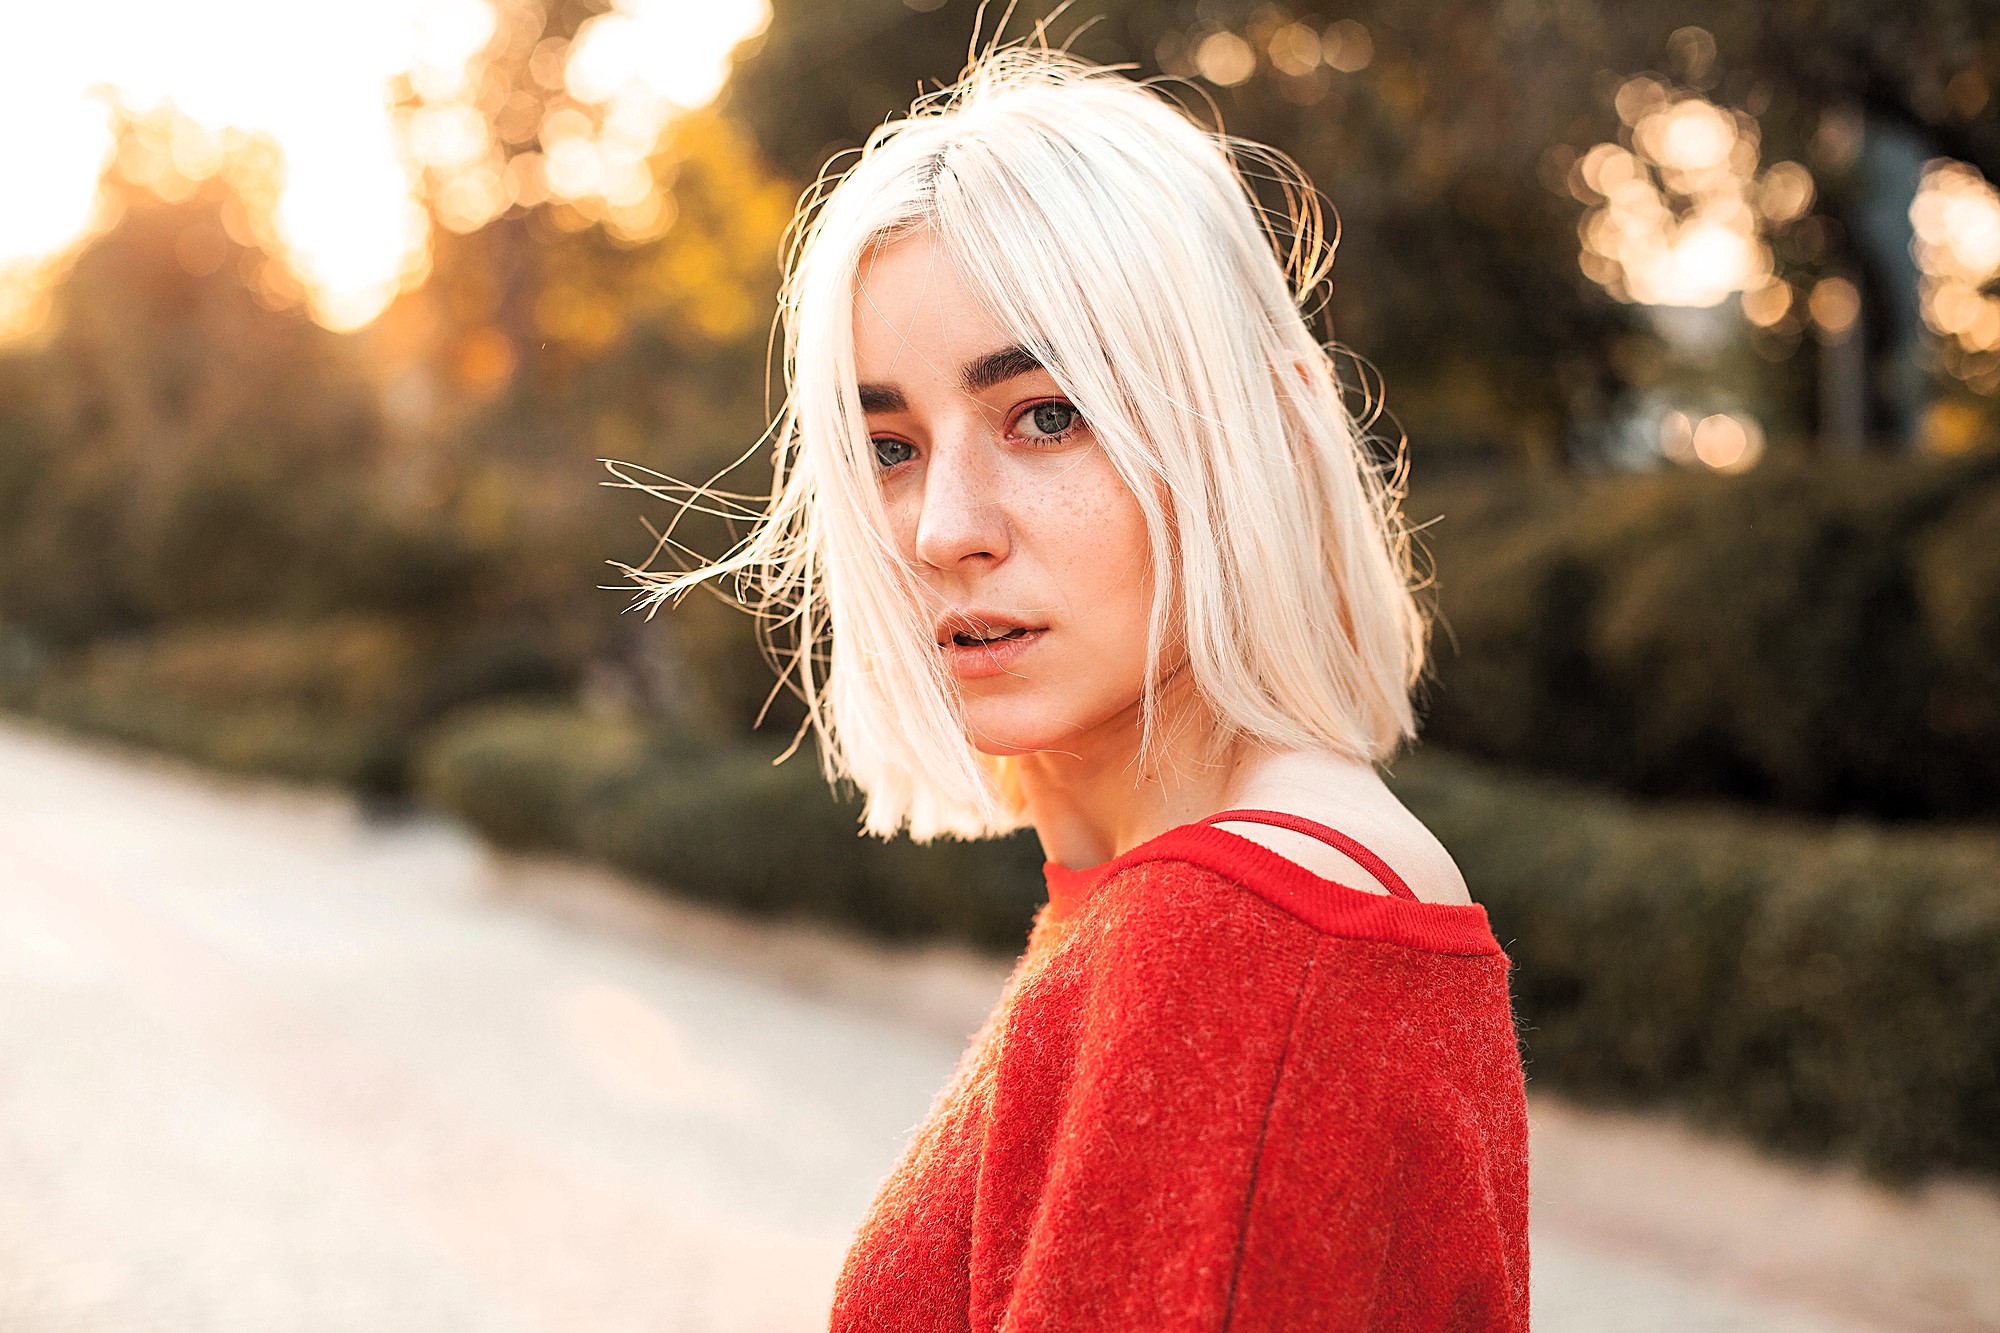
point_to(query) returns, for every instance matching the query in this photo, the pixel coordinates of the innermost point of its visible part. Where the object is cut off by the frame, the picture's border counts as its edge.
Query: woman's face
(1009, 510)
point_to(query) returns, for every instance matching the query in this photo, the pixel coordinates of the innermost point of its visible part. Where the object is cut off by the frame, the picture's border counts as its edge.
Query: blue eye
(885, 452)
(1049, 421)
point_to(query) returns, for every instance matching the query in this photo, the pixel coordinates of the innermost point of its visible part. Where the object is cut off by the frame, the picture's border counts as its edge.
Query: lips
(970, 656)
(971, 629)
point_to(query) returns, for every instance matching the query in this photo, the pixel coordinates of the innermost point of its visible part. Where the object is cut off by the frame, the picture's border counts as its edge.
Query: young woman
(1074, 531)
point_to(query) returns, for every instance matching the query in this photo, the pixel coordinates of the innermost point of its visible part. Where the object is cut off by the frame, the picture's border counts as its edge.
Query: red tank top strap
(1353, 850)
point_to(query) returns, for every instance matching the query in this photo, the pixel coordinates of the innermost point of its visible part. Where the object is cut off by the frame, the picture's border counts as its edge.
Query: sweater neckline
(1327, 905)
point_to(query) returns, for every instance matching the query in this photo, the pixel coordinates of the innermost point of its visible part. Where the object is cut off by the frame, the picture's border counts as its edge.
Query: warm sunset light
(1956, 215)
(1298, 50)
(1678, 216)
(1727, 443)
(1835, 303)
(1723, 441)
(338, 125)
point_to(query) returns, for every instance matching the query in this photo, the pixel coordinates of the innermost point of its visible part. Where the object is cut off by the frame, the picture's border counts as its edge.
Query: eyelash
(1039, 441)
(1075, 425)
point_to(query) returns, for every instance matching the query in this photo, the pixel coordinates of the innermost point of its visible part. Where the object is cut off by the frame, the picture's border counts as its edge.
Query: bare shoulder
(1352, 798)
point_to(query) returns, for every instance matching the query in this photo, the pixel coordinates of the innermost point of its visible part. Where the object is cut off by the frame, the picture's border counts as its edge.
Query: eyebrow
(989, 371)
(997, 368)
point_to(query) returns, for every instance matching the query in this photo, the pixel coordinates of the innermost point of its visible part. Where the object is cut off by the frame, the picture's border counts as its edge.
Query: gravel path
(268, 1066)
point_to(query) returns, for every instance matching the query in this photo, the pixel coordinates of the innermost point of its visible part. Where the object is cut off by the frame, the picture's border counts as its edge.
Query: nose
(964, 515)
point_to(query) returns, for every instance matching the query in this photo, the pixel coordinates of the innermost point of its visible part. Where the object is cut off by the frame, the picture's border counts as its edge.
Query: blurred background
(317, 323)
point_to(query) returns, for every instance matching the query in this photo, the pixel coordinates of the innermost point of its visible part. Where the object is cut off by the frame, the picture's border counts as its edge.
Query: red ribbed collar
(1324, 904)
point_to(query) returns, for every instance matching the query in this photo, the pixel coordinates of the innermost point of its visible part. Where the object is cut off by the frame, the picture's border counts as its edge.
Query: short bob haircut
(1121, 244)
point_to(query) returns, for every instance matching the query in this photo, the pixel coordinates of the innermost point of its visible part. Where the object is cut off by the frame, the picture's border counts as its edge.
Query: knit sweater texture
(1218, 1092)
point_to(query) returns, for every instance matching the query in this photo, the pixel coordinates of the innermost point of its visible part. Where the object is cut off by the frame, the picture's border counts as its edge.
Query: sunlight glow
(313, 80)
(1720, 441)
(639, 65)
(1956, 215)
(1728, 443)
(1225, 59)
(1678, 216)
(345, 129)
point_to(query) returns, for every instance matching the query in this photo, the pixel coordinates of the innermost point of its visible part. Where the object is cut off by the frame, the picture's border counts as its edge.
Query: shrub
(527, 775)
(733, 829)
(719, 823)
(316, 702)
(339, 700)
(1823, 988)
(1821, 639)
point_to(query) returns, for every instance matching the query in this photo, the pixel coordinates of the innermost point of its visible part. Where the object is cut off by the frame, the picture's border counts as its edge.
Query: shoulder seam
(1263, 1131)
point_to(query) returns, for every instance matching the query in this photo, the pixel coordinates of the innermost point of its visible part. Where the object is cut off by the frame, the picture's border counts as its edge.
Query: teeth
(968, 641)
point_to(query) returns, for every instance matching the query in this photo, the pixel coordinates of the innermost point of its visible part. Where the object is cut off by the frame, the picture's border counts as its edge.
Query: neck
(1100, 797)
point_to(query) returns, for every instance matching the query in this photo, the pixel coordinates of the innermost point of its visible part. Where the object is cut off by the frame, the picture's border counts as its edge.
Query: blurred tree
(651, 354)
(186, 449)
(183, 450)
(1437, 130)
(185, 444)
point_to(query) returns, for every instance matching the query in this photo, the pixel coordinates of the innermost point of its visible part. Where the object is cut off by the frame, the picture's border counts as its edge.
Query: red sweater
(1219, 1092)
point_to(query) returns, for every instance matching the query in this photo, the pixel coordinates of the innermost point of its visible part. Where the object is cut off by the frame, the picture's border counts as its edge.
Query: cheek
(902, 518)
(1132, 572)
(1110, 572)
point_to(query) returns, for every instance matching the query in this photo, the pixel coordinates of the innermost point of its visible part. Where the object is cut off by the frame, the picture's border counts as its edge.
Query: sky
(338, 123)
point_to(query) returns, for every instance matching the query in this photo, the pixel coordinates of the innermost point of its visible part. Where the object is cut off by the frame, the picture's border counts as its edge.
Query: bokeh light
(1678, 215)
(1225, 59)
(1728, 443)
(343, 129)
(1835, 304)
(1347, 47)
(1767, 304)
(1719, 441)
(1956, 217)
(1302, 54)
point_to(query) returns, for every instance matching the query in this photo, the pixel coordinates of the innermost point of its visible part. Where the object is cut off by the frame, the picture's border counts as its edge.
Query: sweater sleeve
(1146, 1186)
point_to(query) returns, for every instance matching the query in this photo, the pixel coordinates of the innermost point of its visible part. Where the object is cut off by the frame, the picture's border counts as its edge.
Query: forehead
(916, 314)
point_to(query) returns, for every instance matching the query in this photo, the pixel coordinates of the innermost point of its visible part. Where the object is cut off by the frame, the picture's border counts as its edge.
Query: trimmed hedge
(525, 775)
(1824, 639)
(337, 701)
(1824, 989)
(719, 823)
(310, 702)
(1829, 989)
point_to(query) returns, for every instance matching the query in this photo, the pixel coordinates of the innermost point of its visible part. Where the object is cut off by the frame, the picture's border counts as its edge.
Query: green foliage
(1824, 989)
(718, 822)
(177, 453)
(473, 766)
(338, 700)
(317, 702)
(1957, 578)
(1821, 640)
(1458, 275)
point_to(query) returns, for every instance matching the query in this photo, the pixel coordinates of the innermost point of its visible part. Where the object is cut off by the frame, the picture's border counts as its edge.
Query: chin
(1021, 727)
(1005, 745)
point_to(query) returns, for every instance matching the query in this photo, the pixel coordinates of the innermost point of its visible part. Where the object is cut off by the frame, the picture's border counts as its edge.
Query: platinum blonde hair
(1122, 245)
